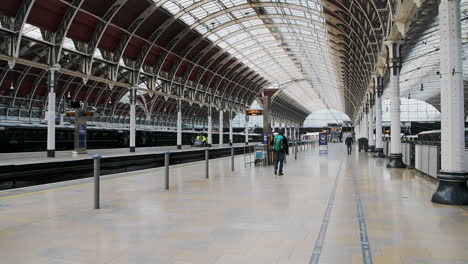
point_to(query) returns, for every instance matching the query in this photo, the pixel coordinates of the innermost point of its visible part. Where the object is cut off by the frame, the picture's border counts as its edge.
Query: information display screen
(255, 112)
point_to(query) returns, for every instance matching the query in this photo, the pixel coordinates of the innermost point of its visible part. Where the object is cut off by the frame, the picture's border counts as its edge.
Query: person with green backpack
(280, 147)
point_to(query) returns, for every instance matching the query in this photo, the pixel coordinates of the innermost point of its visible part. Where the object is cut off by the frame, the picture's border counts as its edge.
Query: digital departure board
(255, 112)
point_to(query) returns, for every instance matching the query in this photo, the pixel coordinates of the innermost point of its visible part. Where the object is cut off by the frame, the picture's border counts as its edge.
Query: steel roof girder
(102, 26)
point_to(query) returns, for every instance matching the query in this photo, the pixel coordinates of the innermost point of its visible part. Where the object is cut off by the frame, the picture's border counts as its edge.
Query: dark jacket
(285, 144)
(349, 141)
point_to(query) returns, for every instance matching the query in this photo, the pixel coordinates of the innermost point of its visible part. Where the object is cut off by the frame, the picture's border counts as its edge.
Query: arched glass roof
(287, 42)
(324, 117)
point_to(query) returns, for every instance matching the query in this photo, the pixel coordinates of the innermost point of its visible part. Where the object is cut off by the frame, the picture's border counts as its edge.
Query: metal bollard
(207, 165)
(166, 165)
(97, 174)
(232, 158)
(295, 150)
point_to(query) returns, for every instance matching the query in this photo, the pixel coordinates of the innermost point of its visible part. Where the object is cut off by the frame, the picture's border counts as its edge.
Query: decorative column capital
(394, 55)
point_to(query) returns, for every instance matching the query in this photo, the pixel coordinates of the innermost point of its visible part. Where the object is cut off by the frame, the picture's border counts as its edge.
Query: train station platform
(23, 158)
(325, 209)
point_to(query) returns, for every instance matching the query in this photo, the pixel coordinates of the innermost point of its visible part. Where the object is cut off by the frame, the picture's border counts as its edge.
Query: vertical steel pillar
(210, 127)
(221, 128)
(132, 118)
(246, 129)
(394, 65)
(51, 113)
(365, 123)
(266, 114)
(371, 123)
(231, 135)
(452, 177)
(179, 124)
(378, 82)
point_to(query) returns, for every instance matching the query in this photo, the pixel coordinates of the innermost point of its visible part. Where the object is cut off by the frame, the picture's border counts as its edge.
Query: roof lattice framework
(319, 53)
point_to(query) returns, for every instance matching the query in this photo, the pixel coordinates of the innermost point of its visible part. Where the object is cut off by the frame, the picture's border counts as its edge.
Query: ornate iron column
(452, 176)
(394, 64)
(378, 82)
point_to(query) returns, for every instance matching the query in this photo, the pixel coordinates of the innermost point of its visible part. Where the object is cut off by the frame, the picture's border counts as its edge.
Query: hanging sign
(254, 112)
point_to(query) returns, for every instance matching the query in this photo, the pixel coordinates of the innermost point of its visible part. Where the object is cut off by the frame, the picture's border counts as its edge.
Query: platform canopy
(321, 54)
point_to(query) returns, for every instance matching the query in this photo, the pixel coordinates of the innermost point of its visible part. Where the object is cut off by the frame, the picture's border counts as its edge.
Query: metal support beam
(231, 136)
(266, 114)
(132, 119)
(51, 113)
(210, 127)
(179, 124)
(246, 129)
(371, 124)
(221, 127)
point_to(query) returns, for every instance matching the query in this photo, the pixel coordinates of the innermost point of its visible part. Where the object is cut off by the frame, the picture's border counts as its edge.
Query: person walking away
(349, 143)
(281, 148)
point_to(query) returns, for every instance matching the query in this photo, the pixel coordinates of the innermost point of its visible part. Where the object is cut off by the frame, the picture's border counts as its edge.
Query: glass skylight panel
(32, 31)
(212, 7)
(188, 19)
(172, 7)
(69, 44)
(298, 23)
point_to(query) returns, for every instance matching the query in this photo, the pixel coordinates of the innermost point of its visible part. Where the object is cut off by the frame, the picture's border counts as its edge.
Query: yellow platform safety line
(66, 187)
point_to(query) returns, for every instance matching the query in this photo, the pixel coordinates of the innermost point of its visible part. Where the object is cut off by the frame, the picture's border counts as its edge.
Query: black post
(97, 174)
(166, 165)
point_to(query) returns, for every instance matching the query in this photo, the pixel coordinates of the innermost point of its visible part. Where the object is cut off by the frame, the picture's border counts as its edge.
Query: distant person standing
(349, 143)
(281, 148)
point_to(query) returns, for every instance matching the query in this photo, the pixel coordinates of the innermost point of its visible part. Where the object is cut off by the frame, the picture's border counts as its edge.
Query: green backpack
(278, 143)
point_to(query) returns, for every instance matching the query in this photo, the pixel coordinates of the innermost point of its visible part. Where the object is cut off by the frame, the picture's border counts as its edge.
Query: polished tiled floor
(309, 215)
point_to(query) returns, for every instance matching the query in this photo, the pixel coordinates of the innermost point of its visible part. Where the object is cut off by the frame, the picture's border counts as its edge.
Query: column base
(51, 153)
(179, 146)
(132, 149)
(246, 143)
(379, 153)
(230, 143)
(453, 189)
(396, 161)
(371, 149)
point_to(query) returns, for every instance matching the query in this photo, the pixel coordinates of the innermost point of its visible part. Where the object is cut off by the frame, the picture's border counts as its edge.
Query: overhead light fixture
(422, 87)
(110, 101)
(12, 87)
(68, 95)
(409, 95)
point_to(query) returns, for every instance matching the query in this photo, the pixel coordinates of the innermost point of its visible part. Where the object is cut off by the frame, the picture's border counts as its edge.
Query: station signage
(323, 139)
(254, 112)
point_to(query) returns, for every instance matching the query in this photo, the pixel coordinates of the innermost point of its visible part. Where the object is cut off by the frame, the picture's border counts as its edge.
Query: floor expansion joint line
(314, 259)
(365, 245)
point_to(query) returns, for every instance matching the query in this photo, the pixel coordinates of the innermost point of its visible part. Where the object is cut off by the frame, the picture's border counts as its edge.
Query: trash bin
(363, 144)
